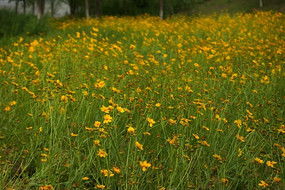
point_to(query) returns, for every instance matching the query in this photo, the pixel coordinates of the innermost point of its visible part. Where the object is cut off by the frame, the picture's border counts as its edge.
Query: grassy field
(140, 103)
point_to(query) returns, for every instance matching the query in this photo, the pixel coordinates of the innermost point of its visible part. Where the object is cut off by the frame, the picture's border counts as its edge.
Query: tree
(98, 8)
(87, 9)
(161, 9)
(260, 3)
(41, 8)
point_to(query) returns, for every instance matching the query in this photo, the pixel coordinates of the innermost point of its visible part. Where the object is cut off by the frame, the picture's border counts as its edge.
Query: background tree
(161, 9)
(87, 9)
(41, 8)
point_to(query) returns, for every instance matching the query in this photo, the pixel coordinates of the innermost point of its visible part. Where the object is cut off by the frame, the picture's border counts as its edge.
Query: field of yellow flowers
(140, 103)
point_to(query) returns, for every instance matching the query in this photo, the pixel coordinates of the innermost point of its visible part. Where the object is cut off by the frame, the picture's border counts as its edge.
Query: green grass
(213, 85)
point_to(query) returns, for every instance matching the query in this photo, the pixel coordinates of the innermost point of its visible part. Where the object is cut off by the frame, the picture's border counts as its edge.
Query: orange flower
(144, 165)
(102, 153)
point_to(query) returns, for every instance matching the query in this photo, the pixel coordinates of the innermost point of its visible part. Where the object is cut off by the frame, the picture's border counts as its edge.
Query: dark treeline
(96, 8)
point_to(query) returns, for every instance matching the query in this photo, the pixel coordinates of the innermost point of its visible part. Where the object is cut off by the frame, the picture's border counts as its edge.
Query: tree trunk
(33, 8)
(98, 8)
(260, 3)
(17, 6)
(161, 9)
(24, 6)
(87, 9)
(41, 8)
(52, 8)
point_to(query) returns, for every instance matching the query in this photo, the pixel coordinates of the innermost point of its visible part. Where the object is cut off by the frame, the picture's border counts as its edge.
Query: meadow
(143, 103)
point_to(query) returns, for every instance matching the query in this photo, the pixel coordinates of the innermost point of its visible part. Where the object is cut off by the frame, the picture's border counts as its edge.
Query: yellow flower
(196, 136)
(144, 165)
(106, 109)
(131, 130)
(12, 103)
(262, 184)
(107, 118)
(157, 104)
(73, 134)
(151, 122)
(96, 142)
(138, 145)
(224, 180)
(46, 187)
(120, 109)
(238, 122)
(218, 157)
(116, 170)
(64, 99)
(172, 121)
(258, 160)
(240, 138)
(99, 84)
(271, 163)
(85, 178)
(97, 124)
(173, 141)
(107, 173)
(100, 186)
(7, 108)
(102, 153)
(277, 179)
(205, 143)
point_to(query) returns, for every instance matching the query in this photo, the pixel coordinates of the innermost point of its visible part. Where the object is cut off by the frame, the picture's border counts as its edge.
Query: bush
(13, 24)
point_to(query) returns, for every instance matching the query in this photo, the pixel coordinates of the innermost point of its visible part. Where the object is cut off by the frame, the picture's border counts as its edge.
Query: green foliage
(13, 24)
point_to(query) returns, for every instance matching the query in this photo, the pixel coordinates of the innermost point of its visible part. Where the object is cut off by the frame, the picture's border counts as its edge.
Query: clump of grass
(13, 24)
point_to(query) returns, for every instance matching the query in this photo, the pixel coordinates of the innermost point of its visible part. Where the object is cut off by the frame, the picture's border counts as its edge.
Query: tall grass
(140, 103)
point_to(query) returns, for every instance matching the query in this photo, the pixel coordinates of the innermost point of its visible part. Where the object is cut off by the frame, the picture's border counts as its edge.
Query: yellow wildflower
(107, 118)
(271, 163)
(258, 160)
(102, 153)
(138, 145)
(151, 122)
(144, 165)
(262, 184)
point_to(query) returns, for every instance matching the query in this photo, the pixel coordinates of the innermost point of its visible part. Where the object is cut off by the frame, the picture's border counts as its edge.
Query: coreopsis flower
(107, 173)
(144, 165)
(224, 180)
(238, 122)
(138, 145)
(64, 98)
(258, 160)
(172, 121)
(173, 141)
(46, 187)
(107, 118)
(240, 138)
(205, 143)
(116, 170)
(85, 178)
(271, 163)
(120, 109)
(7, 108)
(263, 184)
(97, 124)
(73, 134)
(276, 179)
(131, 130)
(100, 186)
(99, 84)
(218, 157)
(96, 142)
(102, 153)
(106, 109)
(151, 122)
